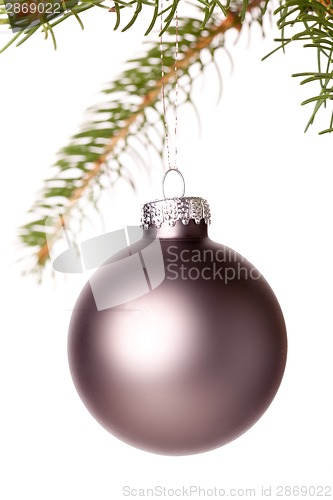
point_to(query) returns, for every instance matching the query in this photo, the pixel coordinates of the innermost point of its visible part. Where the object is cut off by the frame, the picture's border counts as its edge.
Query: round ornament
(177, 345)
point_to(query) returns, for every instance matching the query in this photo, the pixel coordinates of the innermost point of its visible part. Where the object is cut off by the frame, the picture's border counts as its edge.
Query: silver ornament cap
(170, 210)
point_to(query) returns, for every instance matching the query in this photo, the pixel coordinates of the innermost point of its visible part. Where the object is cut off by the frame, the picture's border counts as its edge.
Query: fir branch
(310, 21)
(97, 149)
(29, 24)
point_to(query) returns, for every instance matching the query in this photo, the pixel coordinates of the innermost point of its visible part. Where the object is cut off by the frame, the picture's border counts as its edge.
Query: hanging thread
(174, 167)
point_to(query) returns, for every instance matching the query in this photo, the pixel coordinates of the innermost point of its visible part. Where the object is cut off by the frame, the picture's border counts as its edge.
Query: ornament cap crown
(170, 210)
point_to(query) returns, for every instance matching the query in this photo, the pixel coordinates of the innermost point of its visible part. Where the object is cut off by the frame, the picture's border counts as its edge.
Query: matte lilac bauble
(194, 362)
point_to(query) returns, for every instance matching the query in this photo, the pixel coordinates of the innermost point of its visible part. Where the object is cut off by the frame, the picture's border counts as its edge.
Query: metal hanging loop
(175, 170)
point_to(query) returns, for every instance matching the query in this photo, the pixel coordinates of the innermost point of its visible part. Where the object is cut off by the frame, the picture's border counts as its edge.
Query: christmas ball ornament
(193, 359)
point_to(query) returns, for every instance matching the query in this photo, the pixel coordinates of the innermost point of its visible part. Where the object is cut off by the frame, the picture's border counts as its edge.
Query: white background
(270, 189)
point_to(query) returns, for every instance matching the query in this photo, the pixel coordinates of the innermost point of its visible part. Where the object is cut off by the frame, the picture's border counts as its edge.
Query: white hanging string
(167, 141)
